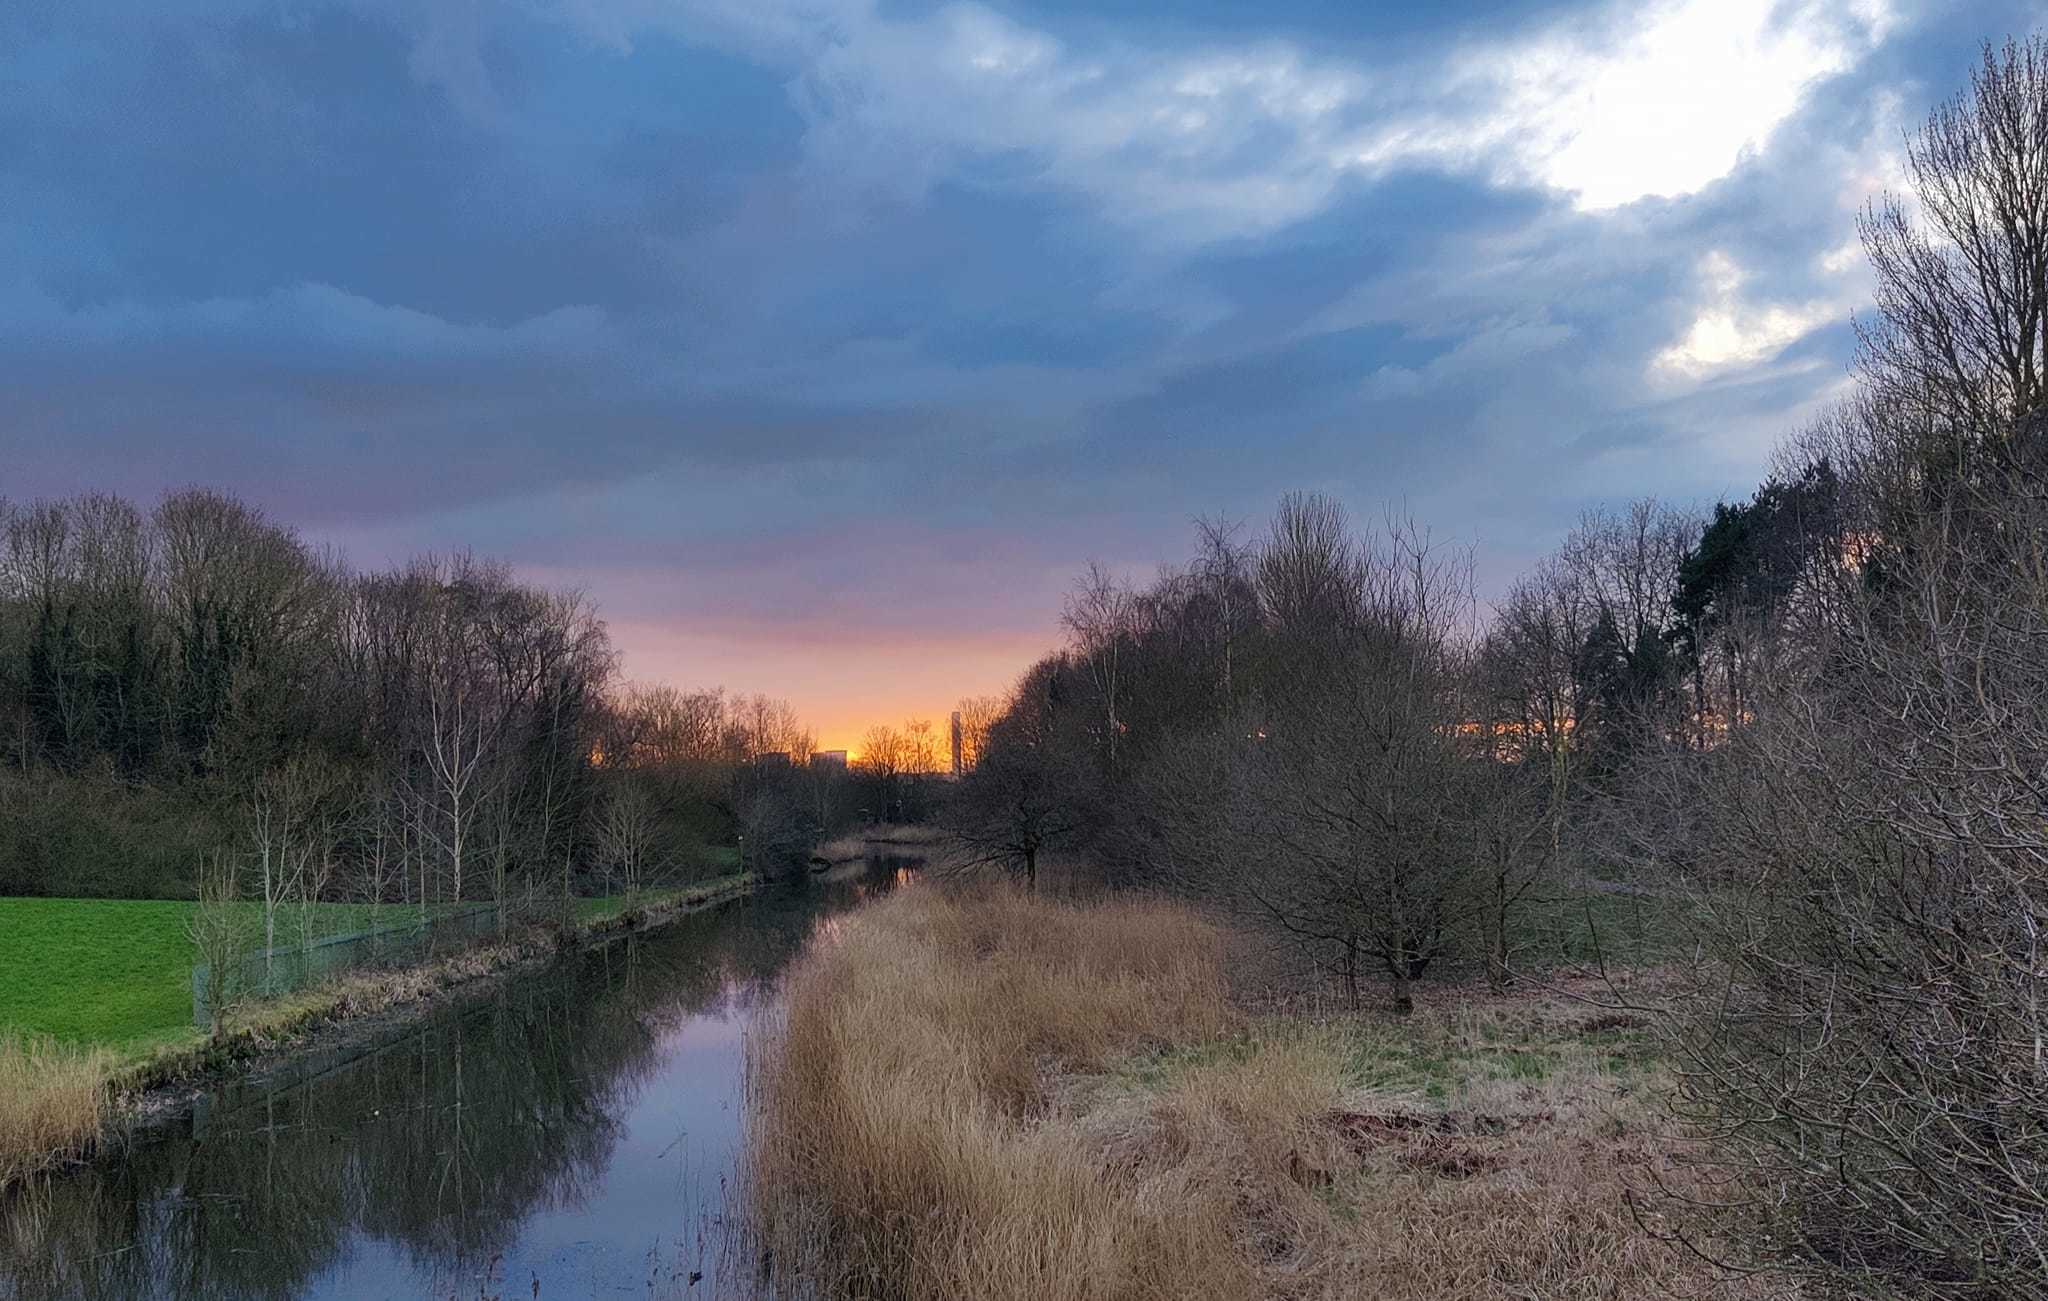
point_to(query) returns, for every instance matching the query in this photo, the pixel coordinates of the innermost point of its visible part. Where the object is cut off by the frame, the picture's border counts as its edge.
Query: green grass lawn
(108, 971)
(116, 972)
(605, 907)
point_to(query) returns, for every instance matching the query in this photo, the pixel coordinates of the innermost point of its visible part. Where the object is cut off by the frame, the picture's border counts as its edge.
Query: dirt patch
(1453, 1145)
(1612, 1022)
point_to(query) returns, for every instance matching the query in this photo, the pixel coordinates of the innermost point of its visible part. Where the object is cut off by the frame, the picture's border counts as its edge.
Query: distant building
(957, 766)
(823, 759)
(772, 759)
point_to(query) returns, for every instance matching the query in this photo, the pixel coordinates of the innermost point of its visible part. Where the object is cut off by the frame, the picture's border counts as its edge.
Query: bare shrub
(220, 933)
(1864, 1044)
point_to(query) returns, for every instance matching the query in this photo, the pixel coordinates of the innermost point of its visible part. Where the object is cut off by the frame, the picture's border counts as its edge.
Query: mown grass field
(117, 973)
(112, 972)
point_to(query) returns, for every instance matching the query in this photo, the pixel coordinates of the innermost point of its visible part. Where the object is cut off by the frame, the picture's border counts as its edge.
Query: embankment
(867, 842)
(992, 1095)
(59, 1103)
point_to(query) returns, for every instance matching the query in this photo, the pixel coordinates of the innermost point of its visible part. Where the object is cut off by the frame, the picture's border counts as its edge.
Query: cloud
(1493, 349)
(1203, 143)
(1733, 330)
(1666, 102)
(815, 314)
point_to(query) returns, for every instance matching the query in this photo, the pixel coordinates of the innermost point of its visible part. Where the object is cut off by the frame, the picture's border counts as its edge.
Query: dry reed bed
(53, 1103)
(989, 1095)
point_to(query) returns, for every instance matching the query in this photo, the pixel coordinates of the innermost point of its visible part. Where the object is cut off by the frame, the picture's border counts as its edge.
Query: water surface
(570, 1133)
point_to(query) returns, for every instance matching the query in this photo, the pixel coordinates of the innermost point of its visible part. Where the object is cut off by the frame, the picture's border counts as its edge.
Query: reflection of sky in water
(576, 1129)
(678, 1135)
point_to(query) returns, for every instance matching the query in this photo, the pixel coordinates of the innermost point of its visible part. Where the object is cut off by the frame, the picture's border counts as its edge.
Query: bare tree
(219, 936)
(380, 865)
(468, 709)
(1333, 813)
(1027, 796)
(1099, 616)
(285, 813)
(977, 714)
(920, 747)
(1521, 771)
(1223, 569)
(1961, 325)
(627, 835)
(884, 759)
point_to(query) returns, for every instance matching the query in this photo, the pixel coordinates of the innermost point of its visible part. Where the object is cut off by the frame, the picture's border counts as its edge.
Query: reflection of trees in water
(442, 1143)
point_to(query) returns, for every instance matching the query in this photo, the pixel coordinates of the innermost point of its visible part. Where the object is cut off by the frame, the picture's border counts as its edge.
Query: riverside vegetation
(984, 1093)
(111, 1000)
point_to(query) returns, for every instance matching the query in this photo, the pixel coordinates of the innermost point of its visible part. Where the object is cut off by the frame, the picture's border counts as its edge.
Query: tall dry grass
(898, 1146)
(984, 1094)
(53, 1104)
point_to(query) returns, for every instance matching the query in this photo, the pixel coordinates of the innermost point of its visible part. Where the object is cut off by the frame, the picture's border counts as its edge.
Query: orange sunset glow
(850, 687)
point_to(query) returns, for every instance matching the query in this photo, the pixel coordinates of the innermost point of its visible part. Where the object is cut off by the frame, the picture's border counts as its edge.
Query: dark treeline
(192, 690)
(1813, 725)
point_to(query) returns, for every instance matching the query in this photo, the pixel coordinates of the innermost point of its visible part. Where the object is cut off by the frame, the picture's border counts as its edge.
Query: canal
(570, 1133)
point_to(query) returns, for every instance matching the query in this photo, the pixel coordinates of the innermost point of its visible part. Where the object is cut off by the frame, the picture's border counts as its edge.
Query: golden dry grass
(901, 1149)
(983, 1094)
(53, 1101)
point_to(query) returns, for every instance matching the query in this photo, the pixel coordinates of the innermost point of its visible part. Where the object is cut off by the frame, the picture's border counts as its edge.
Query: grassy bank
(117, 973)
(91, 1021)
(996, 1096)
(883, 838)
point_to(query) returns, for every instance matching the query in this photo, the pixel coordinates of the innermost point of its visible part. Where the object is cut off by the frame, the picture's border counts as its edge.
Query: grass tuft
(53, 1101)
(900, 1146)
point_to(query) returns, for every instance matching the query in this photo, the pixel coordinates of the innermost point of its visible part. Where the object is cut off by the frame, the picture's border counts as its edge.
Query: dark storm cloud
(840, 307)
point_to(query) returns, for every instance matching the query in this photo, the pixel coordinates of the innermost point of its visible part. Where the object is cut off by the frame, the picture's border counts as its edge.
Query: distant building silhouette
(772, 759)
(823, 759)
(956, 745)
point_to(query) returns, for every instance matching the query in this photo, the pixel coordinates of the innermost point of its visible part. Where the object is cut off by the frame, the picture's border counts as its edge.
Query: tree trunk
(1497, 938)
(1404, 1002)
(1351, 971)
(1031, 870)
(1402, 969)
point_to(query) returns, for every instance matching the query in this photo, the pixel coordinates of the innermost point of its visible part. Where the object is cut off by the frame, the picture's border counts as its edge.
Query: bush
(96, 836)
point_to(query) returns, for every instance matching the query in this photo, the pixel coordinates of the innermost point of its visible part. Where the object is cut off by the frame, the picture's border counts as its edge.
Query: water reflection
(564, 1135)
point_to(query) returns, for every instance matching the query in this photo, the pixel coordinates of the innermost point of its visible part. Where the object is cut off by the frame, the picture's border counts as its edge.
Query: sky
(823, 342)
